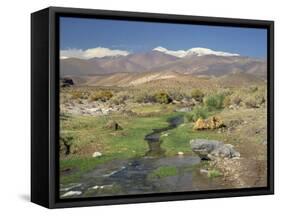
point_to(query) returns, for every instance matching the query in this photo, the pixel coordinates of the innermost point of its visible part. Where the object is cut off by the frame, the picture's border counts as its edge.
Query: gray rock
(212, 149)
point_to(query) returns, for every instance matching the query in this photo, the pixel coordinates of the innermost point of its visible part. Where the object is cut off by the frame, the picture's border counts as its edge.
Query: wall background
(15, 107)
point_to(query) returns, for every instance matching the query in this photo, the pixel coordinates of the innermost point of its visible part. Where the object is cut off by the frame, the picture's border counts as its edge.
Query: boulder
(212, 122)
(212, 149)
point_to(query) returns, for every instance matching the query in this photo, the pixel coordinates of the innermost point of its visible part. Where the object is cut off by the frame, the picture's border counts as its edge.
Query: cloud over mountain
(197, 51)
(98, 52)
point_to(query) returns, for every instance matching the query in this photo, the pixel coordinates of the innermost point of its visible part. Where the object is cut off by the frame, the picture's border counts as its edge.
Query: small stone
(204, 171)
(97, 154)
(95, 187)
(180, 153)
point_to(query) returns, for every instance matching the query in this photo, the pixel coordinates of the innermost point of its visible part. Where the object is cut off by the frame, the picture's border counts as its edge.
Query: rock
(212, 122)
(72, 193)
(96, 187)
(204, 171)
(212, 149)
(66, 82)
(95, 110)
(97, 154)
(70, 187)
(180, 153)
(165, 135)
(113, 125)
(107, 111)
(234, 107)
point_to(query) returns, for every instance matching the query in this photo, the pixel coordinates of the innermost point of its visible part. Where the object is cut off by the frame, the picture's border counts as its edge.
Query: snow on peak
(177, 53)
(197, 51)
(205, 51)
(160, 49)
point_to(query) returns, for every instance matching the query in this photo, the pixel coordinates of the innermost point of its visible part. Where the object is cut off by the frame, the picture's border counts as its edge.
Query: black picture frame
(45, 108)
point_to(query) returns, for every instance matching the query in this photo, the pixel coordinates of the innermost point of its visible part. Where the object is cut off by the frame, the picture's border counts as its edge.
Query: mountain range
(200, 62)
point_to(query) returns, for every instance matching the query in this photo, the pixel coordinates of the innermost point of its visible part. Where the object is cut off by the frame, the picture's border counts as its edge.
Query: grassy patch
(124, 144)
(162, 172)
(90, 134)
(214, 173)
(153, 108)
(178, 139)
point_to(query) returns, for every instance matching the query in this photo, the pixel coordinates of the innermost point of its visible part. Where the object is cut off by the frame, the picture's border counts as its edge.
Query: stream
(124, 177)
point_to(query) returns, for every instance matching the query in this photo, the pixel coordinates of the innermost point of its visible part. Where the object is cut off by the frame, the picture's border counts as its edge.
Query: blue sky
(132, 36)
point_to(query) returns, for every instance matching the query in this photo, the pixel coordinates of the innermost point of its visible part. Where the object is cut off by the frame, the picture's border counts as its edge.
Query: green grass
(153, 108)
(178, 139)
(123, 144)
(214, 173)
(81, 165)
(162, 172)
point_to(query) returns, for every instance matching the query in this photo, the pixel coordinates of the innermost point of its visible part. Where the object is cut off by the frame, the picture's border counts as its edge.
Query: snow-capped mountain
(197, 51)
(195, 61)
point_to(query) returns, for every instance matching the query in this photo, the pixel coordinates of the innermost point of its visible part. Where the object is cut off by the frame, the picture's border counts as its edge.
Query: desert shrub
(120, 98)
(196, 113)
(253, 89)
(144, 97)
(255, 100)
(213, 102)
(197, 94)
(102, 95)
(178, 96)
(227, 101)
(76, 95)
(236, 100)
(162, 98)
(226, 92)
(250, 102)
(66, 144)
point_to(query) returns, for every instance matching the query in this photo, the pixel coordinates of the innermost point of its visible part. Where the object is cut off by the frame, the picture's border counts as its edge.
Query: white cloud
(198, 51)
(97, 52)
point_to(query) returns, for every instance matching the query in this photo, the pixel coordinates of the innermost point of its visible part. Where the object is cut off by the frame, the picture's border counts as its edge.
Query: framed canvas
(139, 107)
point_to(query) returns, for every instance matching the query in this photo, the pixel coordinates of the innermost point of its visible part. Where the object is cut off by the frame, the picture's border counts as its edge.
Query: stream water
(123, 177)
(153, 139)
